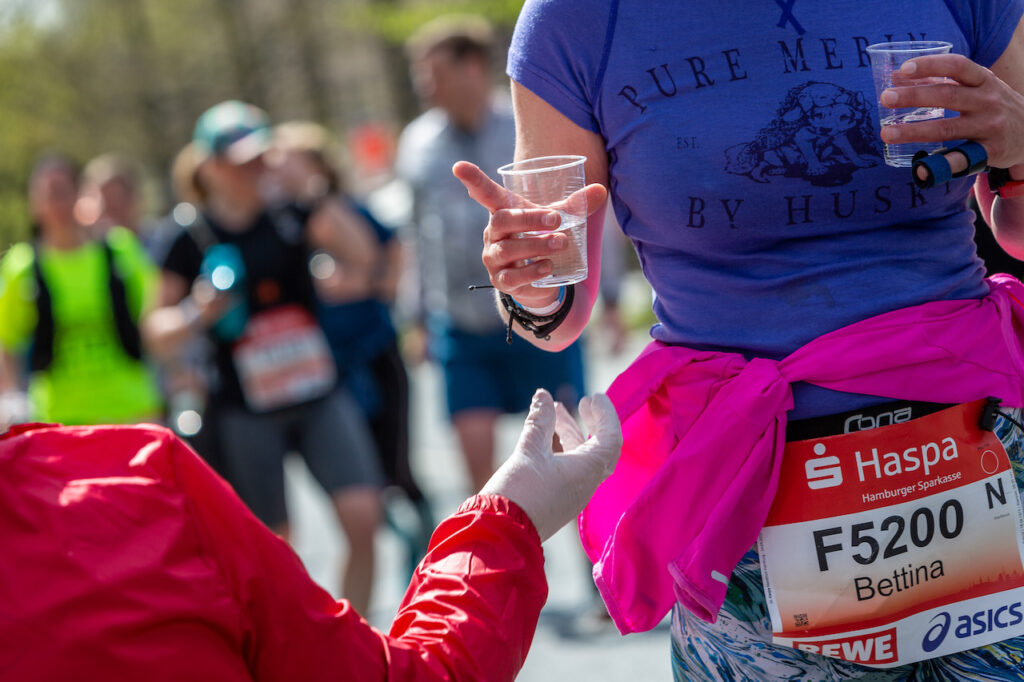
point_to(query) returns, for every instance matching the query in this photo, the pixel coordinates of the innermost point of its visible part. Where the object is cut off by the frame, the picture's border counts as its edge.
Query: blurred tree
(394, 21)
(307, 24)
(130, 76)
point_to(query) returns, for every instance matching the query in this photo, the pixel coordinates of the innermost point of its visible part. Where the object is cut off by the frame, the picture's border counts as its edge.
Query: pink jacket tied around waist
(704, 434)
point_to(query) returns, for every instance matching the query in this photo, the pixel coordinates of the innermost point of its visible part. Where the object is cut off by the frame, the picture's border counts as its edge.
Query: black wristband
(540, 325)
(1002, 184)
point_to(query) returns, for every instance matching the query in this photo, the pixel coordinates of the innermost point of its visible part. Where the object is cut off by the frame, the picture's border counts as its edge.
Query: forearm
(1005, 217)
(469, 614)
(165, 330)
(472, 607)
(344, 236)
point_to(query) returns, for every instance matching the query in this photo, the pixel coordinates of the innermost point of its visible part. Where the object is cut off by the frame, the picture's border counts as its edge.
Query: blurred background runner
(69, 311)
(357, 320)
(485, 377)
(240, 274)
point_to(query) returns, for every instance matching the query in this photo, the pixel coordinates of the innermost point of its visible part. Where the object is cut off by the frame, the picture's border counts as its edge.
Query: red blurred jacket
(124, 557)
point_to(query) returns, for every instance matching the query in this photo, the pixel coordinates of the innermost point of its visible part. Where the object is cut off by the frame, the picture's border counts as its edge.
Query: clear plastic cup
(554, 182)
(886, 60)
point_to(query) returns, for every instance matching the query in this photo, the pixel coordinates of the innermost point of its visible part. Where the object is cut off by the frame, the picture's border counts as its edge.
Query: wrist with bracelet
(544, 311)
(1002, 184)
(540, 321)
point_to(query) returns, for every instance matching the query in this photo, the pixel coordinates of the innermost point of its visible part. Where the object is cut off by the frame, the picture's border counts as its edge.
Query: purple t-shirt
(745, 161)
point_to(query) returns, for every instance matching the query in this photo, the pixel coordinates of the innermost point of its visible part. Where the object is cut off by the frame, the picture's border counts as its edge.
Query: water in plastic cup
(886, 59)
(551, 182)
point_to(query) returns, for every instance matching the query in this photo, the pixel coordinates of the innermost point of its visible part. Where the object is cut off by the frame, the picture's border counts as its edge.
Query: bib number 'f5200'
(896, 544)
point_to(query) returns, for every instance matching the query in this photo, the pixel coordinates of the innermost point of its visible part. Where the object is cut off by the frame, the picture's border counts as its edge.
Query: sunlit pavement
(571, 643)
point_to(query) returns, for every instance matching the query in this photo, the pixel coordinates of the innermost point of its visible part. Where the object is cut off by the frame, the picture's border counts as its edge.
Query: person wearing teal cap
(234, 130)
(239, 274)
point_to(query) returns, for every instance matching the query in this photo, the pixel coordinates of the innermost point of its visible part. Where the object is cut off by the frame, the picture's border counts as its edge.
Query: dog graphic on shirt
(822, 133)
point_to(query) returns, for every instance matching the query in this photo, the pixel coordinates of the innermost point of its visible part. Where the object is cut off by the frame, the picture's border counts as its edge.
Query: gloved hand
(553, 488)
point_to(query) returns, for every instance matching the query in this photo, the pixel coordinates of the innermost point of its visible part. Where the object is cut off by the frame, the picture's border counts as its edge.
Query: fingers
(596, 195)
(601, 420)
(937, 130)
(586, 201)
(955, 83)
(535, 438)
(955, 66)
(481, 188)
(569, 432)
(510, 251)
(508, 220)
(515, 262)
(945, 95)
(512, 221)
(602, 449)
(957, 161)
(494, 197)
(517, 281)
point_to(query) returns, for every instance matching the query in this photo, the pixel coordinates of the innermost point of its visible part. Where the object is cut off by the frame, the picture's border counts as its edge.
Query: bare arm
(541, 131)
(180, 313)
(389, 271)
(345, 236)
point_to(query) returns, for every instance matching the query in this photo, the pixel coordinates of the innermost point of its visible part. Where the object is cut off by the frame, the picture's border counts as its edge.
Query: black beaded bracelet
(540, 325)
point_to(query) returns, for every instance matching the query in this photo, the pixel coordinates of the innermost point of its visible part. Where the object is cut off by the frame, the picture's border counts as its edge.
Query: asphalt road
(571, 643)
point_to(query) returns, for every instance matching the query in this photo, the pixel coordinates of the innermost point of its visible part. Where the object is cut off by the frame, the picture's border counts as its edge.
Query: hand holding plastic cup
(554, 182)
(886, 60)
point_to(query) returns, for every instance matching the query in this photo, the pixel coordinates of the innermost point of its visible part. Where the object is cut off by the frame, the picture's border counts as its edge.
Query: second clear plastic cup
(886, 60)
(554, 182)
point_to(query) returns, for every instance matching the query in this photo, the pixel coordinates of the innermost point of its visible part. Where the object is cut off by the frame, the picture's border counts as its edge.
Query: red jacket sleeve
(469, 614)
(472, 607)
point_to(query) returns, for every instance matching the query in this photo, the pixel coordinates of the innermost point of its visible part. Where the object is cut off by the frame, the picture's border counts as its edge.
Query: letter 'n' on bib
(896, 544)
(283, 359)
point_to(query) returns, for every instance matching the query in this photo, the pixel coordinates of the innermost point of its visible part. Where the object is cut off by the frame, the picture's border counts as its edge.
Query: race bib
(282, 359)
(897, 544)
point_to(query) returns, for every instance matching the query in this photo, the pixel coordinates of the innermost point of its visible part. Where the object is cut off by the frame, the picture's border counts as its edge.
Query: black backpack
(41, 356)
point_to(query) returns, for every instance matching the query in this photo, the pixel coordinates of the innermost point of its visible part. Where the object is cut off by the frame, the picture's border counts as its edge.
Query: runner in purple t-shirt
(740, 147)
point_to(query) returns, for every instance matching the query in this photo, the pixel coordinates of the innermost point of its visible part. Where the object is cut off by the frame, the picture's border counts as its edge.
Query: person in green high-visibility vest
(69, 307)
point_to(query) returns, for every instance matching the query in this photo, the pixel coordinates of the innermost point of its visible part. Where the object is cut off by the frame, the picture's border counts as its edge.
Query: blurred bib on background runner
(897, 544)
(283, 359)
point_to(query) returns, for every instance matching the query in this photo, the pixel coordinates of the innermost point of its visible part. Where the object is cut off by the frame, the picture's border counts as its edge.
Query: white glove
(553, 488)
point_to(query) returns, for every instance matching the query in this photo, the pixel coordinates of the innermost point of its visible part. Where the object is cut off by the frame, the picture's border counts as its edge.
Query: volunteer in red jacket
(127, 558)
